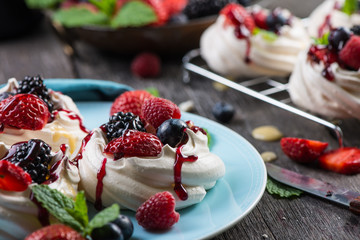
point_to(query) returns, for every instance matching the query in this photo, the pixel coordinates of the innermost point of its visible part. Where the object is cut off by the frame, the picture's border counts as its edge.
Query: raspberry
(158, 212)
(24, 111)
(349, 55)
(134, 143)
(13, 178)
(130, 101)
(146, 65)
(174, 7)
(260, 19)
(156, 110)
(55, 232)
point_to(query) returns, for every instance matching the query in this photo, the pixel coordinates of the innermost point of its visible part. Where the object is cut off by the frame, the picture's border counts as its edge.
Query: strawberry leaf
(350, 6)
(42, 3)
(107, 215)
(77, 17)
(276, 188)
(134, 14)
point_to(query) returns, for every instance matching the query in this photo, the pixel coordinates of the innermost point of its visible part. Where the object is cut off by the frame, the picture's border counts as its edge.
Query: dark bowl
(171, 39)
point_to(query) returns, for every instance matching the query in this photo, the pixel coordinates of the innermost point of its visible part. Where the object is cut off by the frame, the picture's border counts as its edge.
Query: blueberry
(223, 112)
(171, 131)
(109, 231)
(338, 37)
(125, 224)
(275, 22)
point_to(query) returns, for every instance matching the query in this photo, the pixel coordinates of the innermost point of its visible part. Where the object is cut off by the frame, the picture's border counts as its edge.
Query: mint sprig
(276, 188)
(73, 213)
(266, 35)
(42, 3)
(76, 17)
(105, 6)
(324, 40)
(153, 91)
(350, 7)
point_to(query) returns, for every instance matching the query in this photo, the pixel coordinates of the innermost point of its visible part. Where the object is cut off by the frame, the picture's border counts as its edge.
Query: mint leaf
(57, 203)
(153, 91)
(277, 188)
(134, 14)
(105, 6)
(107, 215)
(42, 3)
(324, 40)
(350, 6)
(266, 35)
(77, 17)
(80, 210)
(209, 137)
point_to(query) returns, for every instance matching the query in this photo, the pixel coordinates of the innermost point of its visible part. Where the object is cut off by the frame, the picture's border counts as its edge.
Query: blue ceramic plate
(232, 198)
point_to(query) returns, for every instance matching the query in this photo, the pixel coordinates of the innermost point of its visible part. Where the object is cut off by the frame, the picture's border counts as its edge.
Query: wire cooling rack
(272, 91)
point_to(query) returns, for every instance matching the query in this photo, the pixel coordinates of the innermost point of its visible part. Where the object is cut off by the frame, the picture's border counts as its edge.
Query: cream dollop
(130, 181)
(328, 15)
(18, 214)
(339, 98)
(64, 129)
(226, 54)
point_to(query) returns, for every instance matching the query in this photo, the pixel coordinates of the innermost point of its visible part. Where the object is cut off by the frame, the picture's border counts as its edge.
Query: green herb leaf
(350, 6)
(153, 91)
(105, 6)
(57, 203)
(77, 17)
(42, 3)
(277, 188)
(134, 14)
(266, 35)
(107, 215)
(209, 137)
(80, 210)
(324, 40)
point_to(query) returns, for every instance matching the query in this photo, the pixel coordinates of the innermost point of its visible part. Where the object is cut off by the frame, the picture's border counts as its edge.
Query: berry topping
(130, 101)
(237, 16)
(343, 160)
(260, 19)
(337, 38)
(55, 232)
(125, 224)
(156, 110)
(202, 8)
(158, 212)
(174, 6)
(160, 10)
(223, 112)
(134, 143)
(32, 156)
(275, 21)
(13, 178)
(119, 122)
(302, 150)
(172, 132)
(349, 55)
(146, 65)
(35, 85)
(24, 111)
(355, 29)
(109, 231)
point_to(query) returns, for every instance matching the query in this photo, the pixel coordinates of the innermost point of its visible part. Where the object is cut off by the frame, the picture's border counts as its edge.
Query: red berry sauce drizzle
(100, 185)
(53, 176)
(328, 57)
(72, 116)
(326, 25)
(79, 156)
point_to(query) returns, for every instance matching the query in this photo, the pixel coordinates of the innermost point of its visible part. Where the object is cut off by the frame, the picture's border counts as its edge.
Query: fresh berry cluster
(130, 101)
(120, 228)
(341, 46)
(33, 157)
(345, 160)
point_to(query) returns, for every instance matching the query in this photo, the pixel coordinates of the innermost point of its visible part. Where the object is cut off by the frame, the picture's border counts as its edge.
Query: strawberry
(260, 19)
(130, 101)
(160, 11)
(13, 178)
(55, 232)
(236, 15)
(350, 53)
(134, 143)
(344, 160)
(158, 212)
(146, 65)
(302, 150)
(174, 6)
(24, 111)
(156, 110)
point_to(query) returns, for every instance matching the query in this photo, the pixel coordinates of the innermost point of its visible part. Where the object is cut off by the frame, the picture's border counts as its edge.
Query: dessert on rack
(333, 14)
(326, 79)
(28, 109)
(253, 42)
(131, 158)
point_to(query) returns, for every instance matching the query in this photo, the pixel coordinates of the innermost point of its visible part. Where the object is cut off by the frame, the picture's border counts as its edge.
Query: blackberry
(35, 85)
(32, 156)
(119, 122)
(356, 29)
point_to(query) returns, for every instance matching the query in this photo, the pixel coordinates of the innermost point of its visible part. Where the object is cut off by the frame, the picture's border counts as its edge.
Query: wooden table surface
(306, 217)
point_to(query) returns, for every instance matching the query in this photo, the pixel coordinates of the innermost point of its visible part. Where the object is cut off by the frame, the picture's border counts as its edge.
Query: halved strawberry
(55, 232)
(24, 111)
(13, 178)
(260, 19)
(349, 55)
(174, 6)
(134, 143)
(130, 101)
(160, 10)
(302, 150)
(344, 160)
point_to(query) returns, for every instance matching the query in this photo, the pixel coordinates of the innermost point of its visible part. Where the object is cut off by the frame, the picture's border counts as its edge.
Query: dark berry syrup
(100, 185)
(72, 116)
(79, 156)
(326, 25)
(43, 214)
